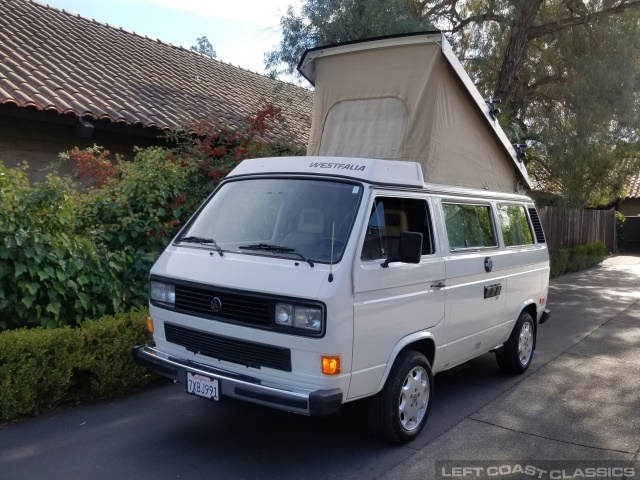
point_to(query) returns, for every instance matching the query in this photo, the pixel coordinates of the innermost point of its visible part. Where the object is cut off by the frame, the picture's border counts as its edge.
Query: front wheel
(400, 410)
(516, 354)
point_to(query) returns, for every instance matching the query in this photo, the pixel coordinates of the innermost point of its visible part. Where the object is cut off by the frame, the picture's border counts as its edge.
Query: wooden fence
(565, 227)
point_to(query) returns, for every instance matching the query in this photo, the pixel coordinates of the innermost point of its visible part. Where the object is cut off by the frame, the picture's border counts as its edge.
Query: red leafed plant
(221, 147)
(93, 165)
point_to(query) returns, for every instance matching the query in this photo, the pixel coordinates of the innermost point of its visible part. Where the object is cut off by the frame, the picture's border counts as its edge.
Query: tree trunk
(515, 55)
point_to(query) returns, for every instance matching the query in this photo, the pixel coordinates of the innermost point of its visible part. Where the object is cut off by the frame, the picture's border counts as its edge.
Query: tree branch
(552, 27)
(556, 78)
(479, 19)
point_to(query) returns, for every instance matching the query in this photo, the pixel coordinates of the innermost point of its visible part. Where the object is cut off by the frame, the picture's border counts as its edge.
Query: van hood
(247, 272)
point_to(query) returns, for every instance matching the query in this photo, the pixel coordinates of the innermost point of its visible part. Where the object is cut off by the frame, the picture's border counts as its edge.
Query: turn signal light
(150, 324)
(331, 364)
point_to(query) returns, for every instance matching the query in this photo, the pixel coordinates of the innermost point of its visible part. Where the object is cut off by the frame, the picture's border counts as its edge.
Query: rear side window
(389, 218)
(516, 230)
(469, 226)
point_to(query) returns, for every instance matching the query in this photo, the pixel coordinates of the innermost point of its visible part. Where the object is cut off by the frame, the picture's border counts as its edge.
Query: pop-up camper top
(408, 98)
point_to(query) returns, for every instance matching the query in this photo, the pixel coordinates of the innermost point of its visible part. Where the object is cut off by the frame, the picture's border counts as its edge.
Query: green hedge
(574, 259)
(43, 368)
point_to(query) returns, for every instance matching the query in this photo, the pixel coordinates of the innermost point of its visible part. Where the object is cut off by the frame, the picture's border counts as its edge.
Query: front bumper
(243, 387)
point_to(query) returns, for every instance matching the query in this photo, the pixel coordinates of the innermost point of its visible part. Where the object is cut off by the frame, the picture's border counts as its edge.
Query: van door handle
(439, 284)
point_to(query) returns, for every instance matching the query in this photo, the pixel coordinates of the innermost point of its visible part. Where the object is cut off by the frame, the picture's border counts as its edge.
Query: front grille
(245, 353)
(236, 307)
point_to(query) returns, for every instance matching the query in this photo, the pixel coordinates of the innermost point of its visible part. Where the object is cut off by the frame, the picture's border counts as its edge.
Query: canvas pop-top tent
(408, 98)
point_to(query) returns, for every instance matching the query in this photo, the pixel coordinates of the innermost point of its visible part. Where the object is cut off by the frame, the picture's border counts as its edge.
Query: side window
(516, 230)
(389, 218)
(469, 226)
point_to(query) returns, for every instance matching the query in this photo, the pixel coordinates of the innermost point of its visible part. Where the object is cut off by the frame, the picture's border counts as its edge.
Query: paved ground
(578, 406)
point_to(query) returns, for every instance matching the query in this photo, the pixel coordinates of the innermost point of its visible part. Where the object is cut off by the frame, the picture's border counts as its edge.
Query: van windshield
(279, 217)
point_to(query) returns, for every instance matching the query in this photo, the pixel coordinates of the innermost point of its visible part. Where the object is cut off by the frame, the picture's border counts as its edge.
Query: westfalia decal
(339, 166)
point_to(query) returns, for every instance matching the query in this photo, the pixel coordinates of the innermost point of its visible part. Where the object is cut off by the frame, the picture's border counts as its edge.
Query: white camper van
(304, 283)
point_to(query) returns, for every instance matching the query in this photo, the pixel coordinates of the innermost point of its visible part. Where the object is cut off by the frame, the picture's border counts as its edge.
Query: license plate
(202, 386)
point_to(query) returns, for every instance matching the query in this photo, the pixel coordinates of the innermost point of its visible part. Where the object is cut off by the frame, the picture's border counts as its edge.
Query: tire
(400, 410)
(516, 354)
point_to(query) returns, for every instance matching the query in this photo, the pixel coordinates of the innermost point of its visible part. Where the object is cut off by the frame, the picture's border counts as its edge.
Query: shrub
(559, 260)
(68, 253)
(574, 259)
(49, 274)
(43, 368)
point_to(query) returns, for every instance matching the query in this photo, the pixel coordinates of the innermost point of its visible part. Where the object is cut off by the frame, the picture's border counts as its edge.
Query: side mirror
(409, 249)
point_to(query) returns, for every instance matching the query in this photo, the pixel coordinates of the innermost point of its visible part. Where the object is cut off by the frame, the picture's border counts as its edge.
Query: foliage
(93, 164)
(333, 21)
(574, 259)
(204, 46)
(43, 368)
(68, 253)
(208, 150)
(620, 232)
(567, 74)
(50, 275)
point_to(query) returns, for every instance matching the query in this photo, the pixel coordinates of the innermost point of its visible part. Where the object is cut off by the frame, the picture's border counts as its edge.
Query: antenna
(333, 232)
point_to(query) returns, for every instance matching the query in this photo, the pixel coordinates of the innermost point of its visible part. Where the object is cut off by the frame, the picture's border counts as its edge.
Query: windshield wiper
(276, 249)
(193, 239)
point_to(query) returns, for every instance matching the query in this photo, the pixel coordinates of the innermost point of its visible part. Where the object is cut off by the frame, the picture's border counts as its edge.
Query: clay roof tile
(79, 66)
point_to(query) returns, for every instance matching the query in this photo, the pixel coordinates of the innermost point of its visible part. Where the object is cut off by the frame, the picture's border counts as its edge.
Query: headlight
(284, 314)
(163, 292)
(308, 318)
(304, 318)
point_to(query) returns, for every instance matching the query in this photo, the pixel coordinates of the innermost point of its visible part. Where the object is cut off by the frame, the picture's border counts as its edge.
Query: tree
(204, 46)
(324, 22)
(567, 72)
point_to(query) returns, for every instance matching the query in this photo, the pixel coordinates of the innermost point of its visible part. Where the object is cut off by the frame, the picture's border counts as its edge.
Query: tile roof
(633, 188)
(53, 60)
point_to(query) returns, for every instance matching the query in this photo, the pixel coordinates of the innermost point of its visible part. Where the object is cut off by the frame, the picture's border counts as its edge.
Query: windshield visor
(280, 217)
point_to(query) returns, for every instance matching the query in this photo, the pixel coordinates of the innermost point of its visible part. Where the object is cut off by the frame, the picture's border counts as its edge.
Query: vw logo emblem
(216, 304)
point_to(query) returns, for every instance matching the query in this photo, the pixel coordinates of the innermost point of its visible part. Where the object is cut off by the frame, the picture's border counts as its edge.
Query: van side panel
(525, 272)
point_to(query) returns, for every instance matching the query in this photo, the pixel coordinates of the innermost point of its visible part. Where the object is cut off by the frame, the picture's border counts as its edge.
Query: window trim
(531, 230)
(492, 219)
(430, 224)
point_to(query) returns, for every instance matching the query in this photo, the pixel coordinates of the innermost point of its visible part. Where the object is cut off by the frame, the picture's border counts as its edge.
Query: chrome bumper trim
(242, 387)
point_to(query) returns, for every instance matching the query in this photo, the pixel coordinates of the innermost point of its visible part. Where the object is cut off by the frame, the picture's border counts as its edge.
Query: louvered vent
(537, 225)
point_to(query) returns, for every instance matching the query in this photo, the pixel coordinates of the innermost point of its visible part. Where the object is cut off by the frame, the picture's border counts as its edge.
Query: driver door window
(389, 218)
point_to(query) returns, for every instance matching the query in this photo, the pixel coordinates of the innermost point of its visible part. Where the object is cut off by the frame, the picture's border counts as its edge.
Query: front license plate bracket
(202, 386)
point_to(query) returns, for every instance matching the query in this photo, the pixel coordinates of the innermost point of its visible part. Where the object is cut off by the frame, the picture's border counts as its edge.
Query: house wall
(629, 207)
(40, 142)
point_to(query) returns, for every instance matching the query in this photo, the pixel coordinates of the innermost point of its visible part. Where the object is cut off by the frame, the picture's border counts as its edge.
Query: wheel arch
(530, 307)
(422, 342)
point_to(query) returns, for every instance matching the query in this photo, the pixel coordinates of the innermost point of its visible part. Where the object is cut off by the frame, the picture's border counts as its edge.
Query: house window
(389, 218)
(469, 226)
(516, 230)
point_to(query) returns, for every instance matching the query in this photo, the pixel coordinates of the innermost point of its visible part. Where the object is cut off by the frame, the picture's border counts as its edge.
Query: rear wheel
(516, 354)
(400, 410)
